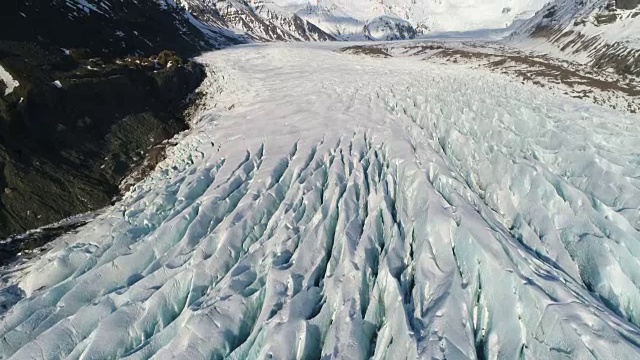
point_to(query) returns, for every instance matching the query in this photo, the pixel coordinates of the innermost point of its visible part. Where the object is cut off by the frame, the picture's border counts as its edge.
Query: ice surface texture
(328, 205)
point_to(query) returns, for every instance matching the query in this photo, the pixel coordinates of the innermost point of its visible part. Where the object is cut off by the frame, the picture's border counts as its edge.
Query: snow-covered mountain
(389, 28)
(357, 20)
(601, 33)
(345, 16)
(79, 80)
(258, 22)
(319, 20)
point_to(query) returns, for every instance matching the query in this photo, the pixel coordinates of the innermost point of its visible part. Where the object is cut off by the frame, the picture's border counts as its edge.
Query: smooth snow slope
(329, 205)
(8, 81)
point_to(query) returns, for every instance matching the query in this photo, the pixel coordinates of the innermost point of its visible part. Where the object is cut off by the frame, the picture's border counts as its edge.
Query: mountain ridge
(600, 33)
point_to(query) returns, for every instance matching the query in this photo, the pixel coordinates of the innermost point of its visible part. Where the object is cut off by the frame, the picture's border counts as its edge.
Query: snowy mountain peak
(359, 19)
(431, 15)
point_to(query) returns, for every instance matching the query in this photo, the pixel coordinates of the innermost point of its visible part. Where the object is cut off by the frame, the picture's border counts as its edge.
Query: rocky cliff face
(88, 97)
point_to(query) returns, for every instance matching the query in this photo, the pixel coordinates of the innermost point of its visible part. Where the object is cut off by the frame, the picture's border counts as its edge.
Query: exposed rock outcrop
(627, 4)
(69, 134)
(92, 92)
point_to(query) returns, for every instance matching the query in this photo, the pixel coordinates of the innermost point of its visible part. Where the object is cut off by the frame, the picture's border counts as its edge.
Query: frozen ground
(330, 205)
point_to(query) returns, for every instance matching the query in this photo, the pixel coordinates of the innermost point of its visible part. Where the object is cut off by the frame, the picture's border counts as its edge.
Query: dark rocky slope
(93, 99)
(627, 4)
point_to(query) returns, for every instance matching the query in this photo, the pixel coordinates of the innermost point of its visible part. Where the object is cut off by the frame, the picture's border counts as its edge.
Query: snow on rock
(349, 20)
(9, 82)
(592, 32)
(328, 205)
(593, 17)
(389, 28)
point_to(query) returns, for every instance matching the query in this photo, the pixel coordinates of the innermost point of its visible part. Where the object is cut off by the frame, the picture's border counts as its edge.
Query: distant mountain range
(355, 20)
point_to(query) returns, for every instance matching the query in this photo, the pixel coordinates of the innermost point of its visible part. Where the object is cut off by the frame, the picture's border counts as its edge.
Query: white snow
(430, 15)
(9, 82)
(625, 30)
(328, 205)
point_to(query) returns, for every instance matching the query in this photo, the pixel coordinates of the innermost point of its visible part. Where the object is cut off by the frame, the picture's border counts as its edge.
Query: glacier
(329, 205)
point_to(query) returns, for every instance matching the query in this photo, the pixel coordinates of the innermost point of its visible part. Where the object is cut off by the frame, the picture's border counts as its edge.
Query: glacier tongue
(328, 205)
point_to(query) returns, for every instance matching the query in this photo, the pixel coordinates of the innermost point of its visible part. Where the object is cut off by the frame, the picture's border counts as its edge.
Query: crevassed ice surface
(328, 205)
